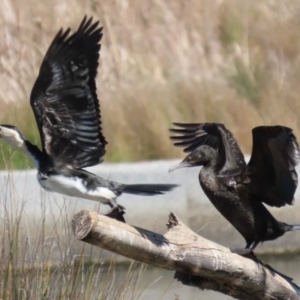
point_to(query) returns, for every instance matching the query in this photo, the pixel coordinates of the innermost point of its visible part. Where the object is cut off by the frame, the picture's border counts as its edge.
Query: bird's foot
(242, 251)
(117, 213)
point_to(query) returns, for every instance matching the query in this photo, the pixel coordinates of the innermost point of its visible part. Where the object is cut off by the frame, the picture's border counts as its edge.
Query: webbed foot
(247, 251)
(242, 251)
(117, 213)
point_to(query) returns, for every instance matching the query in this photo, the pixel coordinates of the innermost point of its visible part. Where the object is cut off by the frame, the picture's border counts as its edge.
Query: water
(159, 284)
(45, 217)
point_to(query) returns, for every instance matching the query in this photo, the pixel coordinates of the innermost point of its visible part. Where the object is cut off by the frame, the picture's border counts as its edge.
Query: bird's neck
(212, 164)
(210, 158)
(33, 152)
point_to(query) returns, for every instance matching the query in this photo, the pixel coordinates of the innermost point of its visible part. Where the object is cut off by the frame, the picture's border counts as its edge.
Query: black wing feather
(194, 135)
(271, 169)
(64, 98)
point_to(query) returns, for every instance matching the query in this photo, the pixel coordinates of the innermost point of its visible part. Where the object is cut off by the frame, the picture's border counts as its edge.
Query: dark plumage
(64, 98)
(237, 190)
(67, 112)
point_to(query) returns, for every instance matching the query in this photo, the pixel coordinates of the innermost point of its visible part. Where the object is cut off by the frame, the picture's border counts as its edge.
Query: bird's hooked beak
(12, 136)
(183, 164)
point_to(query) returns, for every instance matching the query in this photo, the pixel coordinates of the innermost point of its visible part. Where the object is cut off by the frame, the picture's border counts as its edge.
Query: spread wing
(193, 136)
(64, 98)
(271, 169)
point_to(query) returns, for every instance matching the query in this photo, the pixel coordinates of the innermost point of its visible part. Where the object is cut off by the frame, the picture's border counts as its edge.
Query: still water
(159, 284)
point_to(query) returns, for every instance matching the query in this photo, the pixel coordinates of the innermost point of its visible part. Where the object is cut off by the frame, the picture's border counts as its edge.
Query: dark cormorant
(66, 108)
(237, 190)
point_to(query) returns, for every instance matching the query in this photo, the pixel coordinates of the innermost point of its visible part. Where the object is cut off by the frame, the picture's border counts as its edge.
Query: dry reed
(235, 62)
(39, 258)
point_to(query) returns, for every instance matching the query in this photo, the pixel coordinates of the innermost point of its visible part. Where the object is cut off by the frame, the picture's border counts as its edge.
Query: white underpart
(75, 187)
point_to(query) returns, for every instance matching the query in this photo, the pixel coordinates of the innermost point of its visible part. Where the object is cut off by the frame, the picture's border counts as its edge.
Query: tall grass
(40, 260)
(235, 62)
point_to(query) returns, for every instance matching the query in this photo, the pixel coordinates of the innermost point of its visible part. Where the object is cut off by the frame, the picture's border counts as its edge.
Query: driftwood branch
(197, 261)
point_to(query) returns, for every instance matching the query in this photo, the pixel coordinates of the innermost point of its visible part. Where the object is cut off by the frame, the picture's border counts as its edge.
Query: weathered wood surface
(197, 261)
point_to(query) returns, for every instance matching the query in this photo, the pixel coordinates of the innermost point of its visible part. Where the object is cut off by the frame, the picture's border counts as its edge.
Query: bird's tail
(291, 227)
(294, 227)
(148, 189)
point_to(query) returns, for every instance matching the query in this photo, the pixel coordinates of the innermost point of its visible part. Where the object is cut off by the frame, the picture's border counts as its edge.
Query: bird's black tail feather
(148, 189)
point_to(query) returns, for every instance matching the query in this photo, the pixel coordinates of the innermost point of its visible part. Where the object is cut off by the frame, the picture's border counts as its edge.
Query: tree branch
(197, 261)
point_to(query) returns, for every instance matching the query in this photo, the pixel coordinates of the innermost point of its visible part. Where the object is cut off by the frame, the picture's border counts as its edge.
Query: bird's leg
(116, 212)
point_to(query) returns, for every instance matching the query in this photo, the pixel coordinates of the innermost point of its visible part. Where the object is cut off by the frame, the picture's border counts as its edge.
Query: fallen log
(196, 260)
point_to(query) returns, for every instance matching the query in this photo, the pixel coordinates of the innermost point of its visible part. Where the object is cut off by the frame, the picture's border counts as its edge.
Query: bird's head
(199, 157)
(11, 135)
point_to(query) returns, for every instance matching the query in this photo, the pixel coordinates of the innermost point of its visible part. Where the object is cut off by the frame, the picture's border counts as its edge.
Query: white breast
(74, 187)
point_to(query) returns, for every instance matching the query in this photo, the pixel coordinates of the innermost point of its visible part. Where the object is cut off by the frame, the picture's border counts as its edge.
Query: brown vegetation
(233, 62)
(40, 260)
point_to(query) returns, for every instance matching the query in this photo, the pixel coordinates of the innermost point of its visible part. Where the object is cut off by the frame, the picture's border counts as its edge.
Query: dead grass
(39, 258)
(231, 61)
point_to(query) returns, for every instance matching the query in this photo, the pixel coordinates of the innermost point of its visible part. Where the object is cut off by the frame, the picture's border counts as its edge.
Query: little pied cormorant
(67, 112)
(237, 190)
